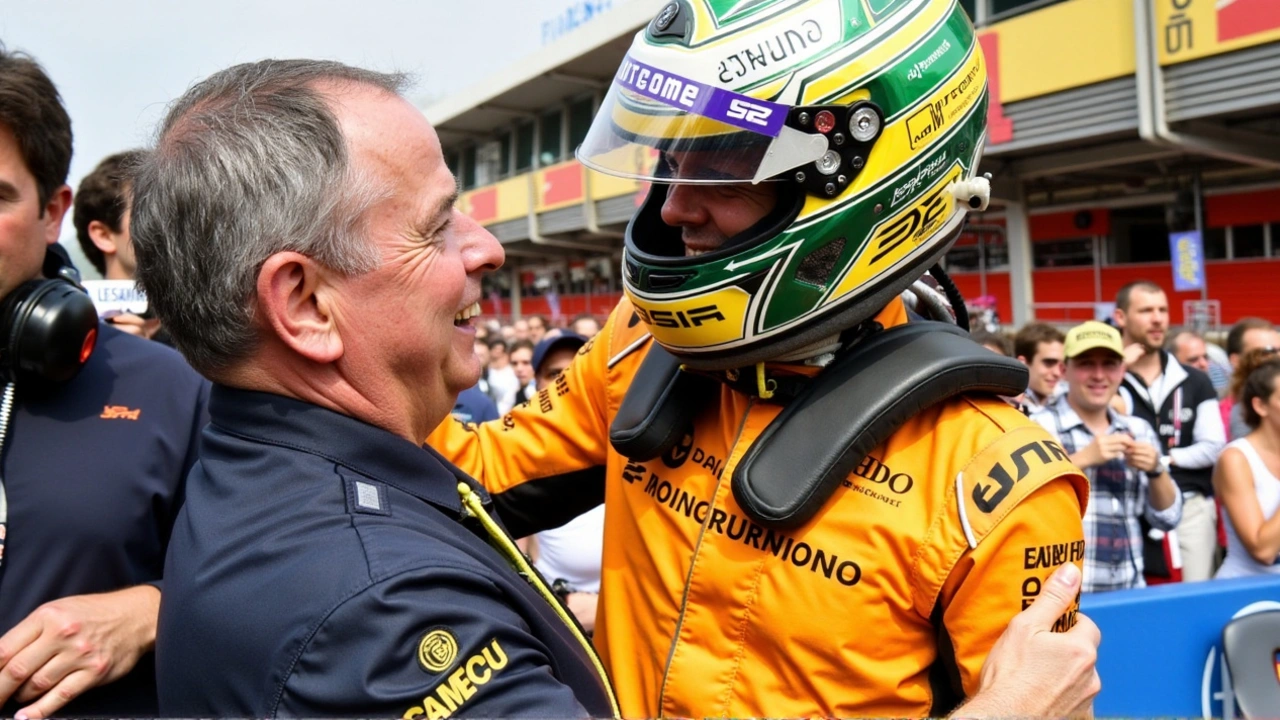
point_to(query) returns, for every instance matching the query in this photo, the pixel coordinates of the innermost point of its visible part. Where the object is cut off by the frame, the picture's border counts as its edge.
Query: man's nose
(480, 248)
(684, 206)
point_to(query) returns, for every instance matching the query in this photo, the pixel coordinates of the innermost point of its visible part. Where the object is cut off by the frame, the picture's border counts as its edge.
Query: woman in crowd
(1247, 476)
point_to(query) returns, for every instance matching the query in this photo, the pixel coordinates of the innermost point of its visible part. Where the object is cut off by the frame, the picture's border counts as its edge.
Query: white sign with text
(113, 297)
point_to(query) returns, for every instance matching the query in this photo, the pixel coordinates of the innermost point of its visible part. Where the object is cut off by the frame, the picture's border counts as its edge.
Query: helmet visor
(658, 126)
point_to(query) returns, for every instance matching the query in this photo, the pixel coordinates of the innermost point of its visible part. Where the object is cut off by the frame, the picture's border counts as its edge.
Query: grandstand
(1112, 123)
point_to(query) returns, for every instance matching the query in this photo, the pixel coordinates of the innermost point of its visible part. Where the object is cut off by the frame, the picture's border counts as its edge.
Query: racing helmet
(867, 116)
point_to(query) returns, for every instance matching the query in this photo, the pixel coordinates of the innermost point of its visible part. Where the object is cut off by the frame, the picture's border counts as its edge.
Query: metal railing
(1202, 315)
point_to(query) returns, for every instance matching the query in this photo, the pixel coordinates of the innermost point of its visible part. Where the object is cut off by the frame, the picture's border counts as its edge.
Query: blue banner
(1162, 653)
(1186, 251)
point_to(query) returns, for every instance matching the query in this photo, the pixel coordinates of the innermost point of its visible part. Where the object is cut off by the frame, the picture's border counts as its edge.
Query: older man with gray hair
(295, 231)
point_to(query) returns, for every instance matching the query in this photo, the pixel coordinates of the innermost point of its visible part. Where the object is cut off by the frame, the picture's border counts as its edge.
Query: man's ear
(295, 298)
(103, 237)
(1118, 316)
(54, 210)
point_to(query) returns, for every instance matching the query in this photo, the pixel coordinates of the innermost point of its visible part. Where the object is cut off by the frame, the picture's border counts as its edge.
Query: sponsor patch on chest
(875, 480)
(678, 493)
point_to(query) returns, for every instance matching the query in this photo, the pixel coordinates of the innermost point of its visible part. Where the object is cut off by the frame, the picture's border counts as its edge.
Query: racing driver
(809, 161)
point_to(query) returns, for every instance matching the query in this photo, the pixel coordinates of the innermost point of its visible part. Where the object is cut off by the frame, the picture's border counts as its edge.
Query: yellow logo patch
(463, 683)
(437, 651)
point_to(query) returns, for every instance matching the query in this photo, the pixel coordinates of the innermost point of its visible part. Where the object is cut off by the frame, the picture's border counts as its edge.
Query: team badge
(437, 651)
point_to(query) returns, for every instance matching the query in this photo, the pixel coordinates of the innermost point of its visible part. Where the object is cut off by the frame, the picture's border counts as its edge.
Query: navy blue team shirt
(322, 566)
(93, 470)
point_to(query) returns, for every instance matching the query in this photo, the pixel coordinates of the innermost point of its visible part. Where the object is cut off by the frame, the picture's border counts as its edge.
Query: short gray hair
(248, 163)
(1172, 343)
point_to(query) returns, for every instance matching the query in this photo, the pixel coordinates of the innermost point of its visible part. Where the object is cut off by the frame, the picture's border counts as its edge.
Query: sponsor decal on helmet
(698, 321)
(915, 223)
(695, 317)
(789, 43)
(930, 121)
(657, 85)
(919, 67)
(923, 175)
(901, 234)
(726, 106)
(779, 46)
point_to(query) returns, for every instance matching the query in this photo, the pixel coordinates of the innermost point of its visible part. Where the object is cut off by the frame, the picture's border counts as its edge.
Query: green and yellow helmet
(870, 114)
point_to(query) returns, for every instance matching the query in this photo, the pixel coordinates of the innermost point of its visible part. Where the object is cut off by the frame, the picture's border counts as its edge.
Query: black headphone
(48, 326)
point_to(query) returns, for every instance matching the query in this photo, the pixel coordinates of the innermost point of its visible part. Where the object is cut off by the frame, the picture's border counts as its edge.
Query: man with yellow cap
(1128, 475)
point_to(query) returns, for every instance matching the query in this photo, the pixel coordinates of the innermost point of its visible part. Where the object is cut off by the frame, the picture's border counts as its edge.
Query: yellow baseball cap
(1090, 335)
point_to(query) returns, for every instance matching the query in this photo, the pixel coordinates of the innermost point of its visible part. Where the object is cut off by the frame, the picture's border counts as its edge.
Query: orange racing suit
(885, 603)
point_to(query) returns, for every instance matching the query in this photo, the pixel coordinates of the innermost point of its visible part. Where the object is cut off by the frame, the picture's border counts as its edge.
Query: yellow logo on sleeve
(462, 684)
(437, 651)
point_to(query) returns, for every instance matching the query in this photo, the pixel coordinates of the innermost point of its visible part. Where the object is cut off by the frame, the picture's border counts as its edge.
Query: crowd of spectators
(534, 351)
(510, 357)
(1147, 412)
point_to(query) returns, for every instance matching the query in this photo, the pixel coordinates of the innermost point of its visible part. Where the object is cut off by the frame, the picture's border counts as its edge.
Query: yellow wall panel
(1065, 46)
(607, 186)
(513, 198)
(1192, 29)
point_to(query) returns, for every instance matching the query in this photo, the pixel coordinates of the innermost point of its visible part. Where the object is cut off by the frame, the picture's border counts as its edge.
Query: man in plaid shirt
(1128, 475)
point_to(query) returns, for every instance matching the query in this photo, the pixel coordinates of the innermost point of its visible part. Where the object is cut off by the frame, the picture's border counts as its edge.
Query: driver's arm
(543, 461)
(1014, 519)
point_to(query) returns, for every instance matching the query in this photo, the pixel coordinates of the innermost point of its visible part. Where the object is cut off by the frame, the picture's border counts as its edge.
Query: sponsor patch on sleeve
(437, 652)
(1006, 472)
